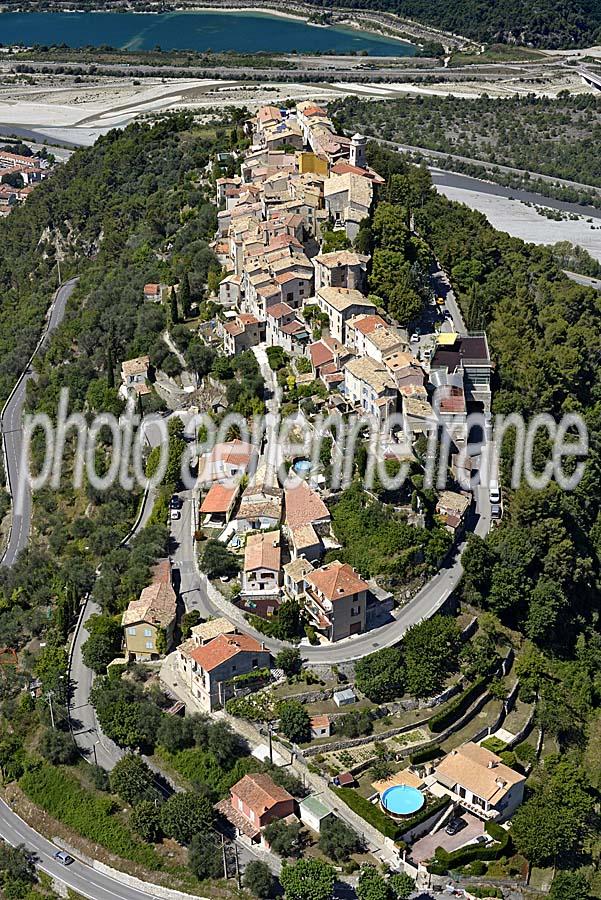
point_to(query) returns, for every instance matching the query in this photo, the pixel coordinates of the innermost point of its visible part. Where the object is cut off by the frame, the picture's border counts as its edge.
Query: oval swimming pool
(402, 800)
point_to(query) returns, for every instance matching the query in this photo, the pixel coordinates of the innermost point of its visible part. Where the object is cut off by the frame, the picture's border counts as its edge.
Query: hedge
(370, 812)
(424, 813)
(90, 815)
(457, 706)
(425, 755)
(445, 861)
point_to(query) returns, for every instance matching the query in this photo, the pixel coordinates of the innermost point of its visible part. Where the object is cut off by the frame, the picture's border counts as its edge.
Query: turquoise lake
(239, 31)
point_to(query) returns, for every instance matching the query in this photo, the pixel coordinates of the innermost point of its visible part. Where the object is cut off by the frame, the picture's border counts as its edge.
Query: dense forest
(558, 137)
(548, 23)
(539, 571)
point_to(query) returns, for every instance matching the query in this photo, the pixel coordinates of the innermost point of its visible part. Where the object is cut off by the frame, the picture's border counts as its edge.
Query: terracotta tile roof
(304, 536)
(156, 605)
(237, 819)
(224, 647)
(298, 568)
(219, 499)
(337, 580)
(260, 793)
(212, 628)
(366, 323)
(304, 506)
(161, 573)
(320, 353)
(263, 551)
(152, 288)
(279, 310)
(284, 240)
(320, 721)
(136, 366)
(479, 770)
(343, 298)
(340, 258)
(294, 327)
(346, 779)
(371, 372)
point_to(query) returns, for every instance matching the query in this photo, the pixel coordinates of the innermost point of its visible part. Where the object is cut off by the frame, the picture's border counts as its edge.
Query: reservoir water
(243, 32)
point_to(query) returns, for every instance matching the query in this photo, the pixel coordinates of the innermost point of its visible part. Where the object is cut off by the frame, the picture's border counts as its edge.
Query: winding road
(11, 420)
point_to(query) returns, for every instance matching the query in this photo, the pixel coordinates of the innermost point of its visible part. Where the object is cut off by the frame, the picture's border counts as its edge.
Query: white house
(340, 305)
(262, 563)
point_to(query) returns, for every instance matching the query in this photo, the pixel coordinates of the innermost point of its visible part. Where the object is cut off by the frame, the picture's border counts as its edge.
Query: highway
(12, 419)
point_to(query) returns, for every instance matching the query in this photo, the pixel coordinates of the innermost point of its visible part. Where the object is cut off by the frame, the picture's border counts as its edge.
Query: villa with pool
(476, 780)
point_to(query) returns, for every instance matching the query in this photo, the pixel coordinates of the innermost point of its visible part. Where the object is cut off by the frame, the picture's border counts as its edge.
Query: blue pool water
(302, 466)
(402, 800)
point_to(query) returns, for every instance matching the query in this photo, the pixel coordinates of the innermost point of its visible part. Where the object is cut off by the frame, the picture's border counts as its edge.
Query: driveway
(425, 847)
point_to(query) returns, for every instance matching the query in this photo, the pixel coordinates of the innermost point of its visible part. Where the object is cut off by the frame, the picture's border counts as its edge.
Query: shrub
(368, 811)
(456, 707)
(526, 754)
(91, 816)
(430, 809)
(425, 755)
(443, 860)
(494, 744)
(258, 879)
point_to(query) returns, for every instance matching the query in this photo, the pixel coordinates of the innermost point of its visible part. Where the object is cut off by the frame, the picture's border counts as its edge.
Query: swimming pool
(302, 467)
(402, 800)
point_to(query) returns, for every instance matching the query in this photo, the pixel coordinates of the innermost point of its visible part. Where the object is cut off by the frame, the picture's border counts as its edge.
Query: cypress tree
(174, 312)
(185, 296)
(110, 367)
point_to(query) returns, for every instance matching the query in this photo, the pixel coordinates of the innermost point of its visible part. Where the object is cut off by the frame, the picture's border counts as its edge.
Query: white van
(494, 494)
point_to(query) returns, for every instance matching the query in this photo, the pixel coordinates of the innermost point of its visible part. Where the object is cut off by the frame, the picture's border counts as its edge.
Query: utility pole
(270, 732)
(49, 696)
(223, 856)
(58, 263)
(238, 876)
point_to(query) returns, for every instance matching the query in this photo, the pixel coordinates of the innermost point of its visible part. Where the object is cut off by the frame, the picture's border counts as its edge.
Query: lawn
(486, 717)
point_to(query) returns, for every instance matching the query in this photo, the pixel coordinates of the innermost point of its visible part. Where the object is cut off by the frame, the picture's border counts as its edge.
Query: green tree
(337, 840)
(381, 675)
(284, 839)
(372, 885)
(289, 660)
(401, 886)
(185, 814)
(185, 297)
(258, 879)
(103, 644)
(430, 651)
(205, 858)
(132, 779)
(217, 560)
(58, 747)
(570, 886)
(145, 819)
(556, 819)
(308, 879)
(294, 721)
(174, 313)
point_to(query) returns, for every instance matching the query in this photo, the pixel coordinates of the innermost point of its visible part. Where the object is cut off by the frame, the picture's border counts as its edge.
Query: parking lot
(425, 847)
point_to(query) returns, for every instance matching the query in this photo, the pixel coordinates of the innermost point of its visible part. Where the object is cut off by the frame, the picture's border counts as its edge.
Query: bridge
(590, 79)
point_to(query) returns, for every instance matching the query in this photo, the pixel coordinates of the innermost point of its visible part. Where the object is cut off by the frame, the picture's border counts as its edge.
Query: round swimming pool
(402, 800)
(302, 467)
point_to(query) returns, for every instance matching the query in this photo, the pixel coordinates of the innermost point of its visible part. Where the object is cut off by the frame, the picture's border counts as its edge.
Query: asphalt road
(11, 419)
(584, 280)
(79, 876)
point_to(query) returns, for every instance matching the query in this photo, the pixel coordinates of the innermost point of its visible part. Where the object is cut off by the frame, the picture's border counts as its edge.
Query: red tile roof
(224, 647)
(304, 506)
(260, 793)
(219, 499)
(337, 580)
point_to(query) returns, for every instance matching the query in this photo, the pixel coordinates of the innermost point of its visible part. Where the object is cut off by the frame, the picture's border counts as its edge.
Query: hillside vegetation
(541, 135)
(547, 23)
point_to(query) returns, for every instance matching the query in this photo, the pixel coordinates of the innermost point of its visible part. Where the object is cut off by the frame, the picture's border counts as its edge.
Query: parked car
(494, 493)
(63, 858)
(176, 502)
(455, 825)
(414, 338)
(495, 511)
(175, 514)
